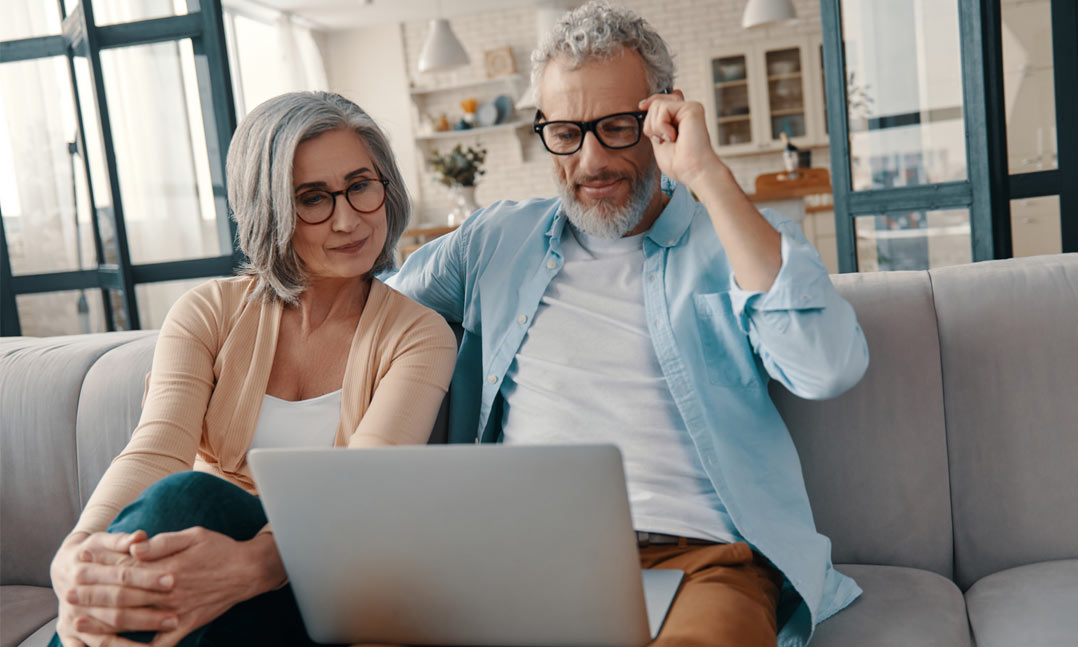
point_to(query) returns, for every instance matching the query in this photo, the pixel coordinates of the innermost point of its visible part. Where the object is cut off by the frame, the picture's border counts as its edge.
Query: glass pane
(42, 178)
(60, 313)
(155, 299)
(256, 43)
(785, 94)
(1035, 226)
(1028, 85)
(160, 151)
(904, 91)
(730, 75)
(917, 240)
(95, 155)
(109, 12)
(29, 19)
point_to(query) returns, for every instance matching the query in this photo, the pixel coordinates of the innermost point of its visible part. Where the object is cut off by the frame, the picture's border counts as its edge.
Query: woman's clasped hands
(171, 584)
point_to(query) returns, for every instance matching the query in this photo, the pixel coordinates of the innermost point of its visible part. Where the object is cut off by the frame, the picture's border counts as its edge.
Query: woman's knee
(188, 499)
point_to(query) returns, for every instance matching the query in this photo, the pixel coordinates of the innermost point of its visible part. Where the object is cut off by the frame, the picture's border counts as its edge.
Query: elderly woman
(306, 348)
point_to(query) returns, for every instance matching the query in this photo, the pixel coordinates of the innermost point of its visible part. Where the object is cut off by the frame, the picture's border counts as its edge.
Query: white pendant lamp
(763, 12)
(442, 49)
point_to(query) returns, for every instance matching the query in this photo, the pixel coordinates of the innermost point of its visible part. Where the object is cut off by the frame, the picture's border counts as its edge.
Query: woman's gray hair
(599, 31)
(260, 188)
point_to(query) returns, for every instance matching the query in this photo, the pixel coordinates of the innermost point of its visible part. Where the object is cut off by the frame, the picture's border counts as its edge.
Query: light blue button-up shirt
(716, 343)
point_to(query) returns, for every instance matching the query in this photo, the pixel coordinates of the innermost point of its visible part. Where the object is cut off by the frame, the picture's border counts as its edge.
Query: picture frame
(499, 62)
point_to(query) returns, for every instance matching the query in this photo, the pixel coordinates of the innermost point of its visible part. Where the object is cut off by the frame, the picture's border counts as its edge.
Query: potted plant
(459, 169)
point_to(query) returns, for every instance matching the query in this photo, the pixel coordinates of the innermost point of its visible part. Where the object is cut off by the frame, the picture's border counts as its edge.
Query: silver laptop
(462, 545)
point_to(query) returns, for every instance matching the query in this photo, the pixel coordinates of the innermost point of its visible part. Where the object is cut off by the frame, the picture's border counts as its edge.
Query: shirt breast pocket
(727, 354)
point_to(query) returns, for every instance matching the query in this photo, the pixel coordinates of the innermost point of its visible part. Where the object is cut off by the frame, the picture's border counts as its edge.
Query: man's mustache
(609, 176)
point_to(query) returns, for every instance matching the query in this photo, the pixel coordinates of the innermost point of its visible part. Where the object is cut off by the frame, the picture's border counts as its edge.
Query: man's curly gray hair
(598, 31)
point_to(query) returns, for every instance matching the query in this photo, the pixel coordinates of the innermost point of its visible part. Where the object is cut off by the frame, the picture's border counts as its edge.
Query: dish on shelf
(783, 67)
(731, 71)
(486, 115)
(504, 106)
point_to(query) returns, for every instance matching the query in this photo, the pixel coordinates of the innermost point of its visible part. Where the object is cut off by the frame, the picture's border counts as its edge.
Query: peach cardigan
(210, 369)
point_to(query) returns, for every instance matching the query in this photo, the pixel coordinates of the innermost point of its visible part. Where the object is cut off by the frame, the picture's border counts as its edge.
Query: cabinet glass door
(731, 77)
(785, 92)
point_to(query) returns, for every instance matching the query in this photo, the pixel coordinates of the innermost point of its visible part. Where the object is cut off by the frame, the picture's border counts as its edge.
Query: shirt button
(551, 265)
(804, 298)
(493, 379)
(522, 319)
(670, 242)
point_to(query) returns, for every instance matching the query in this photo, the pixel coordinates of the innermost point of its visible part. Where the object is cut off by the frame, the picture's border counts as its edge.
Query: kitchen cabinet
(761, 90)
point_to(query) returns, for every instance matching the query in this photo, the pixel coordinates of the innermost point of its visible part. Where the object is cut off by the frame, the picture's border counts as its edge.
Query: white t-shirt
(302, 423)
(586, 372)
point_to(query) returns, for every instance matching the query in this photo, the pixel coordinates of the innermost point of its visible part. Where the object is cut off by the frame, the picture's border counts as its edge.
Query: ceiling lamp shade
(442, 49)
(763, 12)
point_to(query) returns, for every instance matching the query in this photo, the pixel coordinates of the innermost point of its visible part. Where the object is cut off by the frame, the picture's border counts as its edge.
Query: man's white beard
(602, 218)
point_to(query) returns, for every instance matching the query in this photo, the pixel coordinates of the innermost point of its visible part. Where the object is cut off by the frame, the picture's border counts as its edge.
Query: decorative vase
(464, 204)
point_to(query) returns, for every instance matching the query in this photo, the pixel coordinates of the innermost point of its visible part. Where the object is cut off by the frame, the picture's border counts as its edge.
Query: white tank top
(303, 423)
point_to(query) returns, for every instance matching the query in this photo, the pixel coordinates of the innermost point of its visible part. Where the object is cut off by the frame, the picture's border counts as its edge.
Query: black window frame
(203, 25)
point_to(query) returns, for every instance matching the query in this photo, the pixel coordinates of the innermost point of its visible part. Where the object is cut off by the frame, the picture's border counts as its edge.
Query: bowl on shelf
(782, 67)
(734, 71)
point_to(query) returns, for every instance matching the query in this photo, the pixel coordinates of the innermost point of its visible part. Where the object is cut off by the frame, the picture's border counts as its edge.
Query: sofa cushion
(1009, 344)
(899, 608)
(875, 458)
(40, 383)
(1028, 605)
(24, 609)
(42, 636)
(109, 408)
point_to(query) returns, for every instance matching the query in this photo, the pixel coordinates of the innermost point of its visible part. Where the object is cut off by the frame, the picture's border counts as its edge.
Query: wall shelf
(522, 129)
(512, 80)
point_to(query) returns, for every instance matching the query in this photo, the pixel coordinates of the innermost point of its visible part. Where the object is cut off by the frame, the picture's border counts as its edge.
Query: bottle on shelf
(790, 157)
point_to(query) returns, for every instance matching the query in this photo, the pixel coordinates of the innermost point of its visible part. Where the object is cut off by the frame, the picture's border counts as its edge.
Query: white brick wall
(691, 28)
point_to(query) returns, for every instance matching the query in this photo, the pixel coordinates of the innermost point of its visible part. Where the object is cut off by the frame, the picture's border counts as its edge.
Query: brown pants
(728, 596)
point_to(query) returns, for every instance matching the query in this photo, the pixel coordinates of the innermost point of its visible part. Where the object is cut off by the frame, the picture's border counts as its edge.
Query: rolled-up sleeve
(433, 276)
(805, 333)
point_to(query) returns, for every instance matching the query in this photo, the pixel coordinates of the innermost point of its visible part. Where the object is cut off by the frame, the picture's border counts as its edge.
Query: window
(111, 159)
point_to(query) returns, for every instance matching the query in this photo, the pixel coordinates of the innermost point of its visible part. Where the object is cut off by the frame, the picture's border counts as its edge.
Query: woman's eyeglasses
(365, 195)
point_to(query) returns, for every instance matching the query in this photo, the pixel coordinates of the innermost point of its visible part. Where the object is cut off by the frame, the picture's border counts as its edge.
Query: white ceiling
(345, 14)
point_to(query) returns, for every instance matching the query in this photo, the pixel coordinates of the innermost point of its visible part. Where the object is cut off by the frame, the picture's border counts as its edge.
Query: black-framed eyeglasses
(616, 131)
(365, 195)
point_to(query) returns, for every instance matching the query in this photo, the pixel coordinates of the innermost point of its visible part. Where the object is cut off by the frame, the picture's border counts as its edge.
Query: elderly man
(624, 311)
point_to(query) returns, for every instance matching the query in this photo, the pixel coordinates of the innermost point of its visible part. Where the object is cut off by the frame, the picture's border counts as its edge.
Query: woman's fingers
(108, 547)
(107, 595)
(165, 544)
(126, 619)
(130, 575)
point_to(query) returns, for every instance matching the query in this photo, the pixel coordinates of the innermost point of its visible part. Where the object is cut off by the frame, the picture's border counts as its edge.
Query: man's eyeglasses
(617, 131)
(365, 195)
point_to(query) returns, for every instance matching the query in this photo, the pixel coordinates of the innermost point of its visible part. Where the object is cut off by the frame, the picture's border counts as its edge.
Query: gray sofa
(947, 479)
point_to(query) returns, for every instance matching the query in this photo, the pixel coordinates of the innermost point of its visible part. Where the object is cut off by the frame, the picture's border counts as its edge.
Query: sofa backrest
(875, 458)
(1009, 350)
(958, 450)
(42, 397)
